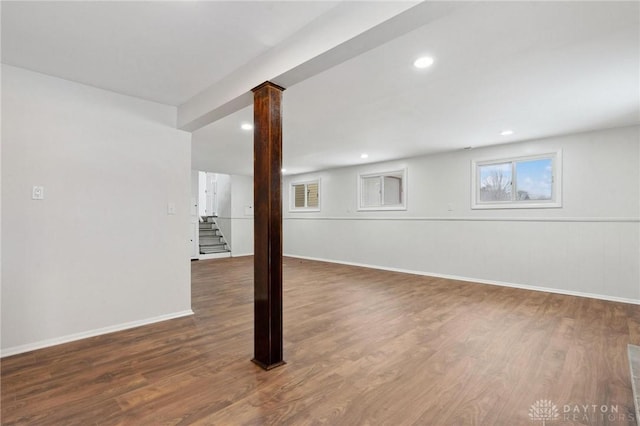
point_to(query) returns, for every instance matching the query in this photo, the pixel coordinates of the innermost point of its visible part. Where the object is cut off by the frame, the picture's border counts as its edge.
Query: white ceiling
(539, 68)
(164, 51)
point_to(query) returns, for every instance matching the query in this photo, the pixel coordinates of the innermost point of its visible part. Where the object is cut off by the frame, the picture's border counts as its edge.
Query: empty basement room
(451, 191)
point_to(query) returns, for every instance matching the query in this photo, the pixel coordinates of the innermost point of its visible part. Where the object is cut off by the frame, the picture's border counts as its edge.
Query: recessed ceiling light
(506, 132)
(246, 126)
(283, 170)
(364, 156)
(423, 62)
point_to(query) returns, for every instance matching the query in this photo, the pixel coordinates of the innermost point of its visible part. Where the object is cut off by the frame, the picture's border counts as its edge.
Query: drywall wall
(242, 214)
(224, 207)
(202, 193)
(0, 193)
(194, 217)
(101, 251)
(589, 246)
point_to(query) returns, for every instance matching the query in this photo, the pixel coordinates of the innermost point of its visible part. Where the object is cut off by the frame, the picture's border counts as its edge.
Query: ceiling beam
(344, 32)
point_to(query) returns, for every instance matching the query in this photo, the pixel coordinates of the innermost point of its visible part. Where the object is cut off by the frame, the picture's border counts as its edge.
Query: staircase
(212, 243)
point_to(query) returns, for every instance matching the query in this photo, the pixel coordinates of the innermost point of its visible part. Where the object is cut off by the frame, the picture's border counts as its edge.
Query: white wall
(0, 190)
(100, 252)
(202, 193)
(224, 207)
(194, 216)
(242, 214)
(590, 246)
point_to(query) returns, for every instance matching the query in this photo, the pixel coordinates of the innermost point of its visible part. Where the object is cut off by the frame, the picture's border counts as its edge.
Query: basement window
(520, 182)
(305, 196)
(382, 191)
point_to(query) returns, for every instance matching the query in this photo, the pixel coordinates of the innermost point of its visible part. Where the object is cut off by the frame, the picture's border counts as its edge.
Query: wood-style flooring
(363, 347)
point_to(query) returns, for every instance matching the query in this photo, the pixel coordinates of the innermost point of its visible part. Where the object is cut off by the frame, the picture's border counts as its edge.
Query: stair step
(210, 237)
(212, 244)
(206, 250)
(222, 255)
(209, 230)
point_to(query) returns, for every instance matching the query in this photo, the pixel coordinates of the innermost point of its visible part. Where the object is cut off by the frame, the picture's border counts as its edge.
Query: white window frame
(403, 190)
(556, 188)
(292, 196)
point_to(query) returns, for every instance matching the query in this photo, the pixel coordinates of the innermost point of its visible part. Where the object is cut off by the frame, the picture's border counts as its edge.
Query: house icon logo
(543, 410)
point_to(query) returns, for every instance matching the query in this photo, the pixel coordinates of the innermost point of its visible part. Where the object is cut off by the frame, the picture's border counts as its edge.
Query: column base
(267, 366)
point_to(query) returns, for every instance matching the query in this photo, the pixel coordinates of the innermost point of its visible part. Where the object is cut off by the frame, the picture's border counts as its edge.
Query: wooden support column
(267, 223)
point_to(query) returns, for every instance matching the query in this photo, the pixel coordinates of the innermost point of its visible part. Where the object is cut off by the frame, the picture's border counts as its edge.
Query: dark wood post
(267, 223)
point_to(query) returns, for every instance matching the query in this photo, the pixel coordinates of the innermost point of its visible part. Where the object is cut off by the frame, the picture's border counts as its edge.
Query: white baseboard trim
(241, 254)
(91, 333)
(472, 219)
(214, 256)
(477, 280)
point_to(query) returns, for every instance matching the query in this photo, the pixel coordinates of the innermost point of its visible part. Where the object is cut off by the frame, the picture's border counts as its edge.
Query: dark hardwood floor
(363, 347)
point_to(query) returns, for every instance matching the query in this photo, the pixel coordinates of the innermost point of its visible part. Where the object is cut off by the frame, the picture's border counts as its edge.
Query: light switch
(171, 208)
(37, 193)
